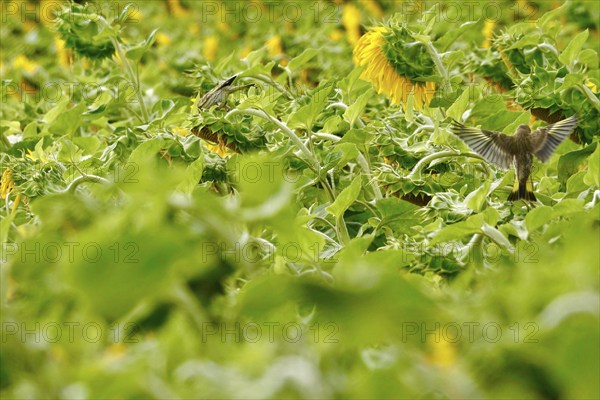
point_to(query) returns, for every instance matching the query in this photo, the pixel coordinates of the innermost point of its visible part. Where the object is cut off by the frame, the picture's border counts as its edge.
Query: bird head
(523, 129)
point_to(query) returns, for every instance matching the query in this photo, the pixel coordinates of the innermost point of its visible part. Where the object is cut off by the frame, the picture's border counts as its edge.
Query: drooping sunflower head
(397, 64)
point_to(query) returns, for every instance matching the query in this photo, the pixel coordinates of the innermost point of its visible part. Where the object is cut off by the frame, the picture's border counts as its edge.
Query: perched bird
(518, 149)
(218, 95)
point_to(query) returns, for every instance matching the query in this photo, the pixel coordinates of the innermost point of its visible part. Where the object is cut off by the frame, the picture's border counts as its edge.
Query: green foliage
(408, 56)
(85, 33)
(342, 248)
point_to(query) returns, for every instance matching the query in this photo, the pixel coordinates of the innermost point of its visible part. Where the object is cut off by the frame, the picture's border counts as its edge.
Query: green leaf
(569, 163)
(593, 174)
(305, 116)
(451, 35)
(264, 191)
(589, 58)
(471, 225)
(571, 80)
(69, 152)
(568, 206)
(538, 217)
(525, 41)
(356, 136)
(349, 153)
(521, 119)
(502, 119)
(146, 151)
(571, 52)
(192, 176)
(66, 123)
(477, 198)
(302, 58)
(575, 183)
(553, 16)
(458, 230)
(13, 127)
(56, 111)
(354, 111)
(495, 235)
(89, 144)
(488, 105)
(461, 104)
(136, 52)
(335, 124)
(345, 199)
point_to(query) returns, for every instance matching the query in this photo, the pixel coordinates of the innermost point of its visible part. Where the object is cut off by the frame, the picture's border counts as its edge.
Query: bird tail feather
(522, 190)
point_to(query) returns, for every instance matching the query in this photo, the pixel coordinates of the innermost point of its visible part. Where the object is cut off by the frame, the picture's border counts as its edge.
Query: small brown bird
(218, 95)
(518, 149)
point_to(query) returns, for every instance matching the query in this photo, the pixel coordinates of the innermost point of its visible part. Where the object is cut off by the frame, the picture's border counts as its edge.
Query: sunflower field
(260, 199)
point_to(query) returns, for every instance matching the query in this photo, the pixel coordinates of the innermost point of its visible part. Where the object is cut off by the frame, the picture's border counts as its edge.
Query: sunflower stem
(272, 82)
(128, 69)
(416, 171)
(361, 159)
(475, 249)
(290, 133)
(133, 77)
(439, 65)
(82, 179)
(341, 228)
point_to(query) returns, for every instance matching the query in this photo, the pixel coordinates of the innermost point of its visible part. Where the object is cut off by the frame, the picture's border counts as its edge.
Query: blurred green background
(139, 261)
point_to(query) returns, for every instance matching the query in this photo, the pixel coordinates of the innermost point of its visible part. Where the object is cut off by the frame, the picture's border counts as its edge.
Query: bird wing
(214, 95)
(493, 146)
(545, 140)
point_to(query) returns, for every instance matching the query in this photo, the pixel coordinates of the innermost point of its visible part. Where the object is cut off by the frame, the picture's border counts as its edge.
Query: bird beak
(229, 81)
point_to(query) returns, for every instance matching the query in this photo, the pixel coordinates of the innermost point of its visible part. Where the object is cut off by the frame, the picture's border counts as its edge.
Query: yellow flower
(22, 63)
(379, 71)
(163, 39)
(336, 35)
(135, 15)
(351, 21)
(441, 351)
(6, 187)
(275, 48)
(64, 55)
(245, 51)
(219, 148)
(176, 9)
(532, 119)
(528, 9)
(6, 183)
(592, 86)
(210, 47)
(488, 32)
(181, 131)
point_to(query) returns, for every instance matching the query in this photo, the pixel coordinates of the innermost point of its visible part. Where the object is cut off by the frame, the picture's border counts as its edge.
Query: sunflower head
(83, 34)
(397, 64)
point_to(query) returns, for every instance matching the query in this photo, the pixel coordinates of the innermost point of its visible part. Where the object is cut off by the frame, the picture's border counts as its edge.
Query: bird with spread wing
(518, 149)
